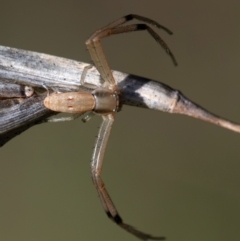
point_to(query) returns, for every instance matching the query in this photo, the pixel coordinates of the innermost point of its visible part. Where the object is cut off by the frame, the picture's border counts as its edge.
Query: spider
(104, 101)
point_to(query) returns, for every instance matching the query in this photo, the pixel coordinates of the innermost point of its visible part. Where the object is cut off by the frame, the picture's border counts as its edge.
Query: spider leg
(95, 48)
(96, 167)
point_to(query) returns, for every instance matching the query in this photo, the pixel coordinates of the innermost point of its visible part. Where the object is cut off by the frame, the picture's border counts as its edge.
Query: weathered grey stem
(60, 74)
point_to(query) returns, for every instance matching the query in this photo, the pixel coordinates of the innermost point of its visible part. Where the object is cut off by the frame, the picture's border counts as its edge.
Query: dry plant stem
(20, 116)
(8, 91)
(187, 107)
(38, 70)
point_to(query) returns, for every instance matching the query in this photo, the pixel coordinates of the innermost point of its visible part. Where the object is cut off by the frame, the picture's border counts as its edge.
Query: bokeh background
(167, 174)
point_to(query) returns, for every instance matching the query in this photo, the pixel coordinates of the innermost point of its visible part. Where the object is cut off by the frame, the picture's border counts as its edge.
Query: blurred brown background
(167, 174)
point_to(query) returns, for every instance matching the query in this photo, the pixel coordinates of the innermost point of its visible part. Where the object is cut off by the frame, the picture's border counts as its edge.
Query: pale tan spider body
(104, 101)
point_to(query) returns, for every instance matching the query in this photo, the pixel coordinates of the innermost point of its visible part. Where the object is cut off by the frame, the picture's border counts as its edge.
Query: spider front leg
(110, 87)
(95, 48)
(96, 166)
